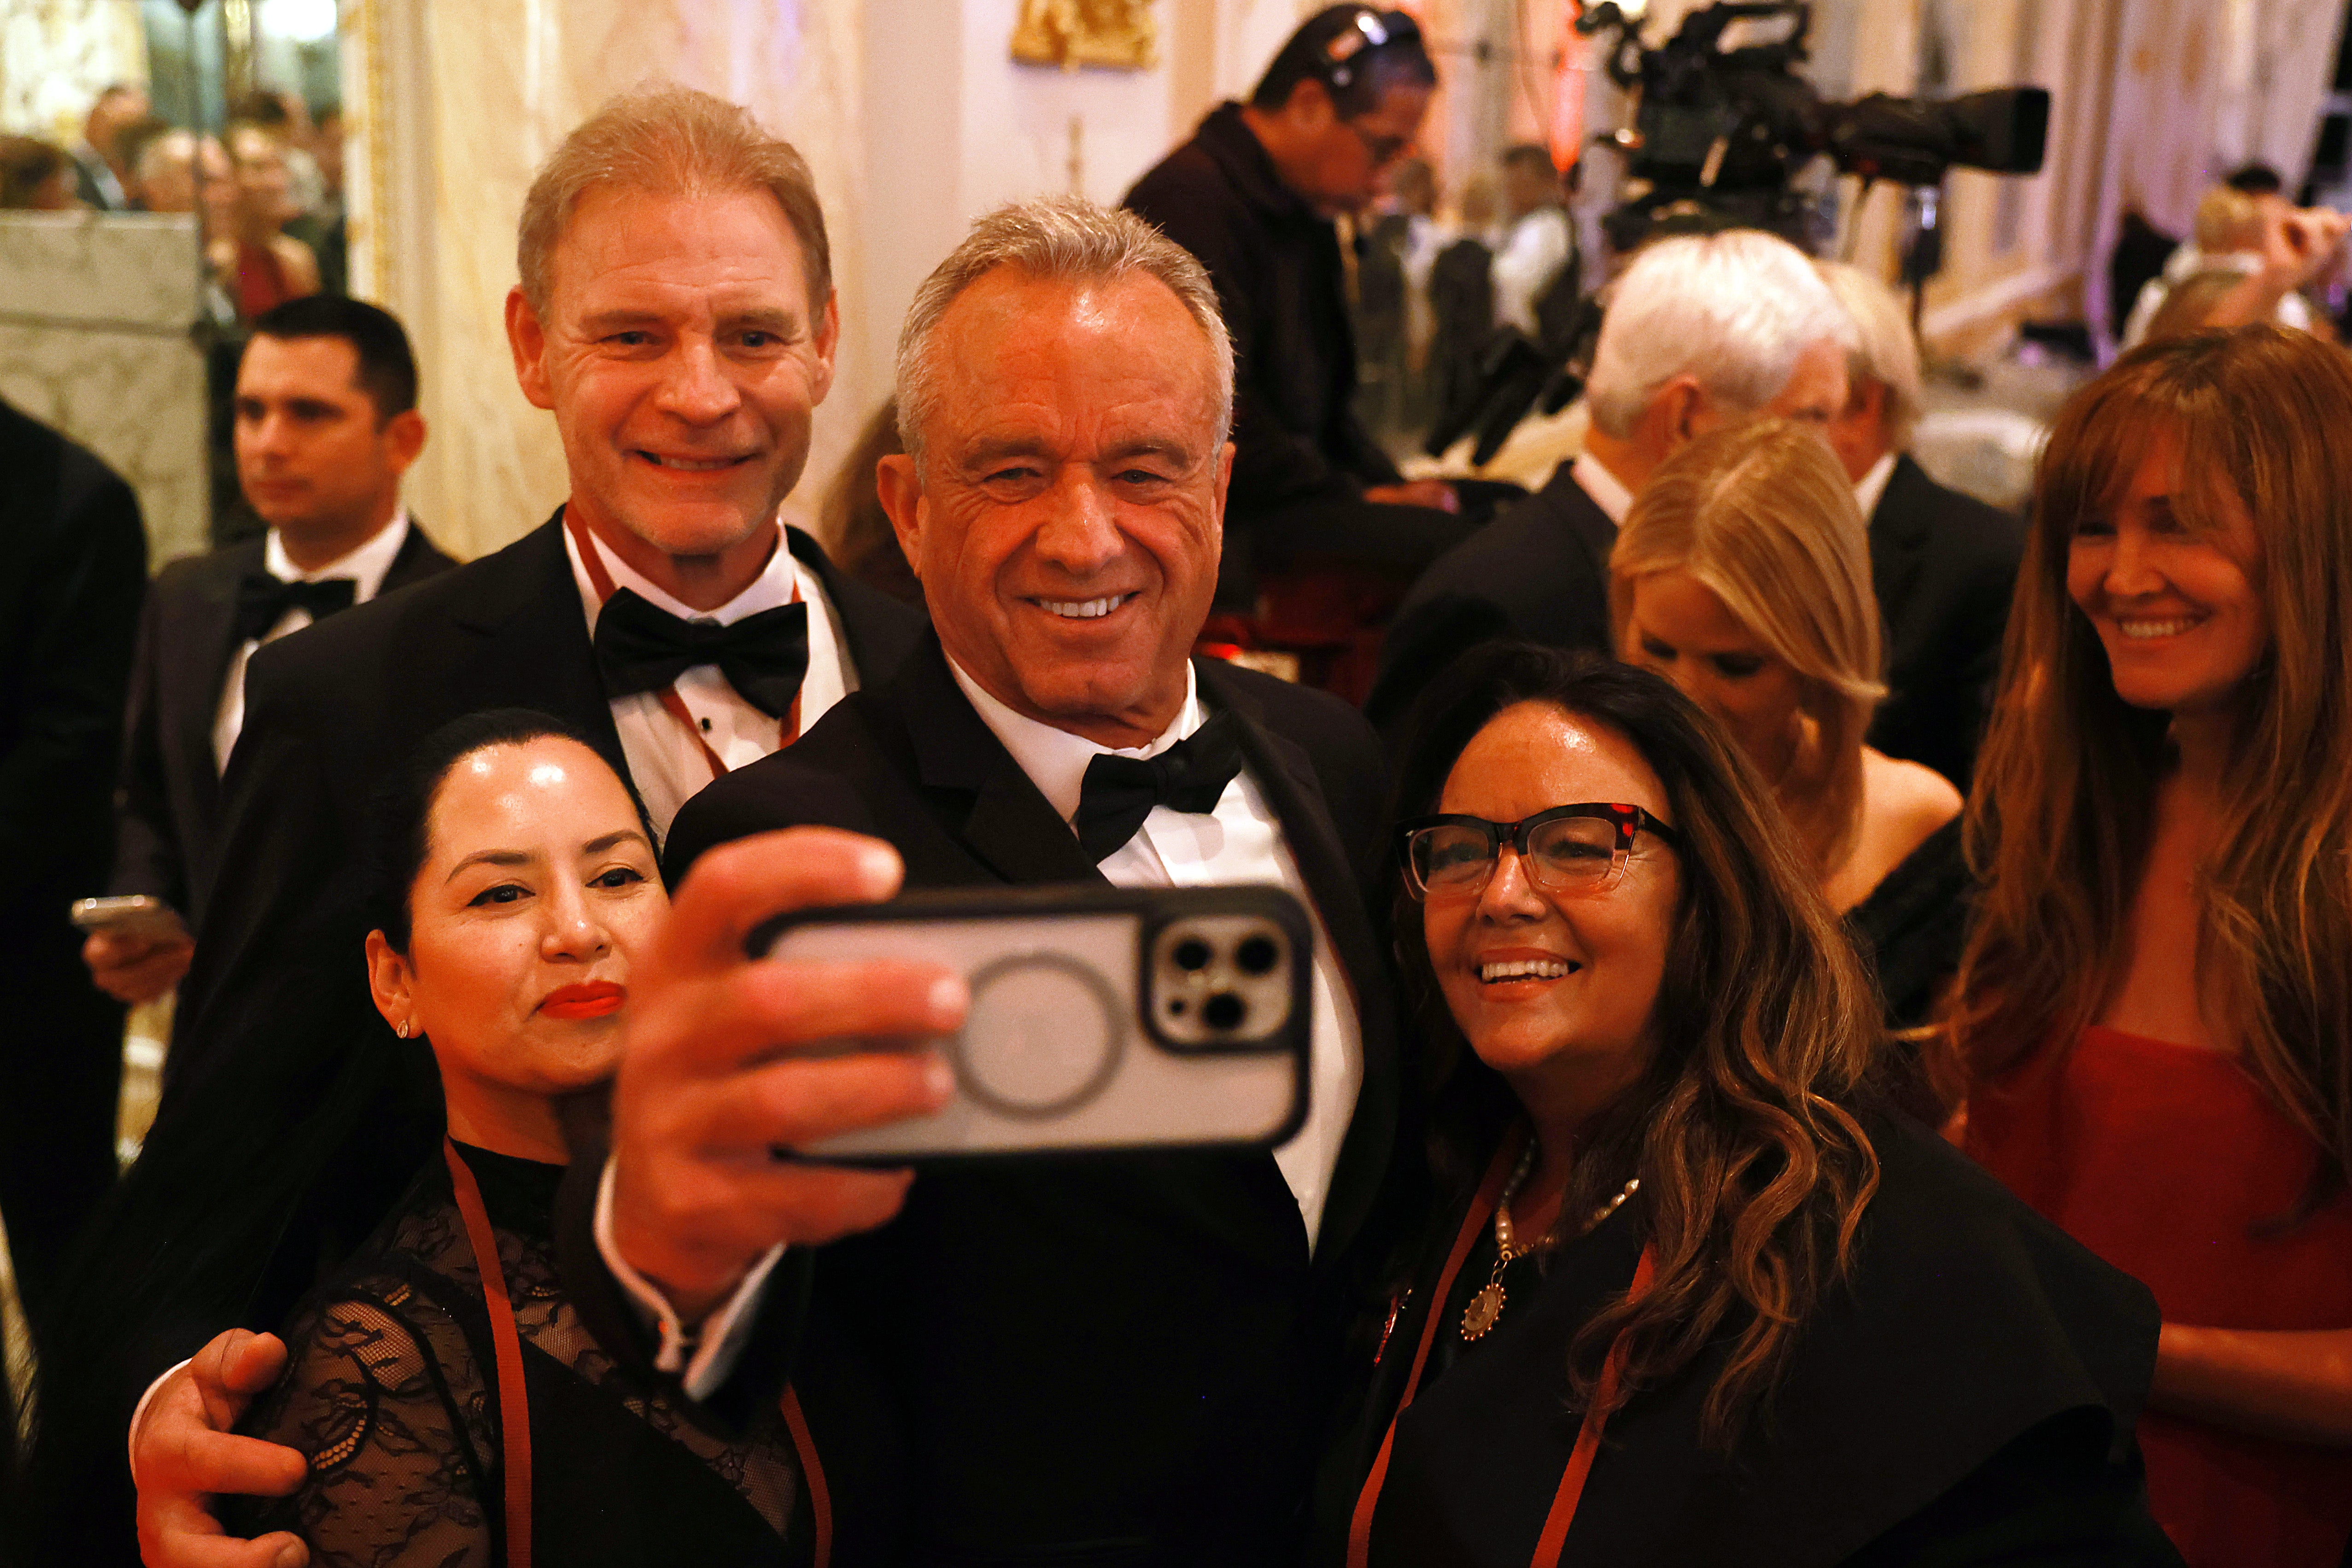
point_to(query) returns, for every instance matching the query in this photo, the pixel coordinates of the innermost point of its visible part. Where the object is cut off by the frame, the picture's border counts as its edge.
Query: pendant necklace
(1486, 1305)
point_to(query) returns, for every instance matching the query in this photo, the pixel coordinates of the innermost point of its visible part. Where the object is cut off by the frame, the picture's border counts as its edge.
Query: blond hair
(670, 141)
(1884, 351)
(2061, 819)
(1763, 516)
(1060, 239)
(2228, 220)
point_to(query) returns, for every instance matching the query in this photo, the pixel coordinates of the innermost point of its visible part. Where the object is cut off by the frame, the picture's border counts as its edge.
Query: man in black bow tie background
(675, 314)
(326, 426)
(1117, 1361)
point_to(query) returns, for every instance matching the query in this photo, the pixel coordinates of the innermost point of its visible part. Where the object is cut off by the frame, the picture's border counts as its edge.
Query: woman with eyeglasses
(1684, 1294)
(1742, 575)
(2157, 1001)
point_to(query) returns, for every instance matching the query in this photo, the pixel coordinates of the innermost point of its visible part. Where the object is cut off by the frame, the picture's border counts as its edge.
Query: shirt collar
(778, 584)
(1872, 486)
(365, 566)
(1607, 490)
(1055, 759)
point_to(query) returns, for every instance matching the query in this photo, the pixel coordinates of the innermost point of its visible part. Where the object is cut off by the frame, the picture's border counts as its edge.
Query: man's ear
(404, 436)
(828, 338)
(528, 340)
(899, 485)
(1310, 105)
(1686, 412)
(389, 983)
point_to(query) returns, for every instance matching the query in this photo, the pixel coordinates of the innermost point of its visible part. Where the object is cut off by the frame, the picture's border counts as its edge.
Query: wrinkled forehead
(1015, 349)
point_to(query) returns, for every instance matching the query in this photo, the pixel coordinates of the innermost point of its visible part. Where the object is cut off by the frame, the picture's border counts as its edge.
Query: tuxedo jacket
(1110, 1360)
(1540, 572)
(1943, 565)
(335, 709)
(167, 804)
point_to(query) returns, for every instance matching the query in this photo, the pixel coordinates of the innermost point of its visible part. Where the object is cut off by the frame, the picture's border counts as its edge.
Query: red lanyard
(514, 1400)
(600, 579)
(1587, 1438)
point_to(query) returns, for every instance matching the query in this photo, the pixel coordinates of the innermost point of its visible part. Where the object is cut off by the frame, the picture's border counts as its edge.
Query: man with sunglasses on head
(1252, 195)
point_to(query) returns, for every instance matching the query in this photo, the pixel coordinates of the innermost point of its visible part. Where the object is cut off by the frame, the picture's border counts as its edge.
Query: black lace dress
(391, 1392)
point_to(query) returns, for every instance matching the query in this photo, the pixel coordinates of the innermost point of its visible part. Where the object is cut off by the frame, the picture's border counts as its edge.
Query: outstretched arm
(2297, 1386)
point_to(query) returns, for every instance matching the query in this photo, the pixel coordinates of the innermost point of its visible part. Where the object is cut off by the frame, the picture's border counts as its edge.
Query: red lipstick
(597, 999)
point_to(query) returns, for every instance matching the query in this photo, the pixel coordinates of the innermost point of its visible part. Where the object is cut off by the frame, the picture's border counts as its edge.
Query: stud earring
(403, 1028)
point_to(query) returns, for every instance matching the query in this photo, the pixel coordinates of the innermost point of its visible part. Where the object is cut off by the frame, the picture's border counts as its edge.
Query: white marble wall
(94, 315)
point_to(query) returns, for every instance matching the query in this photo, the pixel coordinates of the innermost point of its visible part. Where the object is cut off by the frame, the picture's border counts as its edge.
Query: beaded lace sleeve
(396, 1444)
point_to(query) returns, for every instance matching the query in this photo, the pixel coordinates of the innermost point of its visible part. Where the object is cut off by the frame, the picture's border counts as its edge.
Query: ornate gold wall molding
(1117, 34)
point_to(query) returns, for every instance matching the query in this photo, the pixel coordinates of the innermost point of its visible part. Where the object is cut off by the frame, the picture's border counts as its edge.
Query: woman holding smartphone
(1684, 1294)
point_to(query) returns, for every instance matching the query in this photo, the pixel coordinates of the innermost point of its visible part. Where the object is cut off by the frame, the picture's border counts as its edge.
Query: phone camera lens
(1225, 1011)
(1192, 955)
(1257, 954)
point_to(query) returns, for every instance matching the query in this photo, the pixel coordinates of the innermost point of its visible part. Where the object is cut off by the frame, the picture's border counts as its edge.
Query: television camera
(1721, 131)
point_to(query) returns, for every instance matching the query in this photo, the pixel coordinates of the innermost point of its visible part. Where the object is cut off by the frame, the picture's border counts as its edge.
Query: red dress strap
(812, 1470)
(600, 579)
(1549, 1544)
(514, 1400)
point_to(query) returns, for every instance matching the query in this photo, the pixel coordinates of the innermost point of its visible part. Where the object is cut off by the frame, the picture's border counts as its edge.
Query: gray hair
(1884, 351)
(1062, 239)
(1736, 309)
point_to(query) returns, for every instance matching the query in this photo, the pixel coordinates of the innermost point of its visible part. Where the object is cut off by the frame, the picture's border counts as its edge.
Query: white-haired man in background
(1943, 564)
(1701, 331)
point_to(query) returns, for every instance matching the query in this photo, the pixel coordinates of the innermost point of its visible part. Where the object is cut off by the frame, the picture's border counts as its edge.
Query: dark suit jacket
(1943, 565)
(1112, 1361)
(1281, 285)
(334, 709)
(1540, 572)
(73, 569)
(167, 805)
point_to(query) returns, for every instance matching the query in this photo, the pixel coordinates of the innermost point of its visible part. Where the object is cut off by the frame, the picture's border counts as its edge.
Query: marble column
(94, 314)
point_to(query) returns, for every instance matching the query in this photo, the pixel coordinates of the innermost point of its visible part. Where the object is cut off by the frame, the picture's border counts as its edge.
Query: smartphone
(1101, 1019)
(131, 914)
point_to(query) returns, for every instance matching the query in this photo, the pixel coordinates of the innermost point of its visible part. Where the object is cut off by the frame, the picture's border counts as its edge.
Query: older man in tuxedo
(1701, 331)
(676, 313)
(1118, 1360)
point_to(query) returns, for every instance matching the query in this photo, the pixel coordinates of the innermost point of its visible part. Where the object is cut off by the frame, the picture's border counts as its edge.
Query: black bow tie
(1190, 775)
(642, 647)
(262, 601)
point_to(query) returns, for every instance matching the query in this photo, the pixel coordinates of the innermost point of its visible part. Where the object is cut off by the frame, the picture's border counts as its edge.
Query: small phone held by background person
(130, 914)
(1101, 1019)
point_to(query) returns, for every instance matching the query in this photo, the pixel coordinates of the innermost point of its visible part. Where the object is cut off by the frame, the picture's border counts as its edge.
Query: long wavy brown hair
(2059, 824)
(1755, 1172)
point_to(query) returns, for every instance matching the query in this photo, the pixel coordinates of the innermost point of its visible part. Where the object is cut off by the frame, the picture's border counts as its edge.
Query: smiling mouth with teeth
(1082, 609)
(1527, 969)
(690, 465)
(2167, 628)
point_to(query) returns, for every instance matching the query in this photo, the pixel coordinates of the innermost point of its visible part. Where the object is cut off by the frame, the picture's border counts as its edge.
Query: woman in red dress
(2157, 1001)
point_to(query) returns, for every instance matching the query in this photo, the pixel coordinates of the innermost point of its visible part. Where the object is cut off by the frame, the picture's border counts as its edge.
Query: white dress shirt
(365, 566)
(1534, 249)
(1871, 489)
(1240, 842)
(1607, 490)
(665, 761)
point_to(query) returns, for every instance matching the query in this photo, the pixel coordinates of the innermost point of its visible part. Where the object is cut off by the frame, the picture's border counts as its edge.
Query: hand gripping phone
(1101, 1019)
(132, 914)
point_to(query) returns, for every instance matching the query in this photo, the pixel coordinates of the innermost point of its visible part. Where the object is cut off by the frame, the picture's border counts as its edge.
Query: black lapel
(418, 558)
(1898, 539)
(1009, 824)
(210, 633)
(1284, 770)
(881, 632)
(523, 639)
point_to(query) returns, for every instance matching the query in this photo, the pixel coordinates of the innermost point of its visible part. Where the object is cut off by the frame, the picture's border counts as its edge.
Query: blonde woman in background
(1742, 575)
